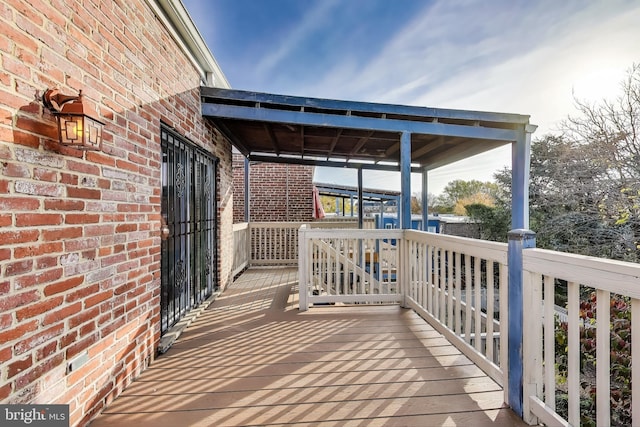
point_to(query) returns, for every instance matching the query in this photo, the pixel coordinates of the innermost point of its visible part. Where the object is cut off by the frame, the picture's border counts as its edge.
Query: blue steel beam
(355, 106)
(327, 163)
(356, 122)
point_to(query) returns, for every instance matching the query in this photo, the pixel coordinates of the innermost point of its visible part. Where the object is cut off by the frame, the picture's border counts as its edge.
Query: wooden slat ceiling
(352, 134)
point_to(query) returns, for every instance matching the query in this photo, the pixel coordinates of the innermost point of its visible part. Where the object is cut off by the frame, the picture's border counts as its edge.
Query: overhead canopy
(325, 132)
(335, 190)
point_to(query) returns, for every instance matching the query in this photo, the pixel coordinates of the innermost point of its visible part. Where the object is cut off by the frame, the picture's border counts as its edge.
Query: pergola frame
(325, 132)
(372, 136)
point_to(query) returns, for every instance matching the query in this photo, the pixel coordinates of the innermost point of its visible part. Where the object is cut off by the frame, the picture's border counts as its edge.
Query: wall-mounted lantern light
(77, 125)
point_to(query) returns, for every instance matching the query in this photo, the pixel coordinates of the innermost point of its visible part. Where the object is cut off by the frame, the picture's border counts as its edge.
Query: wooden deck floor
(252, 359)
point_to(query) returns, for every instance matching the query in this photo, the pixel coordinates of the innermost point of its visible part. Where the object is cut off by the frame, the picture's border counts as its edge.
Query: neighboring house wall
(79, 231)
(278, 192)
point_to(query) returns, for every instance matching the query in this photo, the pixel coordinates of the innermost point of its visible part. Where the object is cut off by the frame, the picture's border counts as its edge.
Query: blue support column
(520, 160)
(425, 200)
(405, 181)
(360, 206)
(519, 240)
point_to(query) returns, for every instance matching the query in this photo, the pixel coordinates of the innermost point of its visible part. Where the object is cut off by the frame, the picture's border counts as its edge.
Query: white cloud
(312, 21)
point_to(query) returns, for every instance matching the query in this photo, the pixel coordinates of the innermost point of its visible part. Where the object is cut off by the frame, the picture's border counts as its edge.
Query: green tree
(460, 189)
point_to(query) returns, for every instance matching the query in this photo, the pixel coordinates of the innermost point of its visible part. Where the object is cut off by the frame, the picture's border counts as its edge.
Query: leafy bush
(620, 361)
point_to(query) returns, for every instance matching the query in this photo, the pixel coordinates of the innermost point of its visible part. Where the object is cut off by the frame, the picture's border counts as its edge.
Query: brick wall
(278, 192)
(79, 231)
(238, 188)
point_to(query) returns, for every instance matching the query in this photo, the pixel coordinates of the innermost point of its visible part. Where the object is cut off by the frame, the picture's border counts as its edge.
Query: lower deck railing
(581, 369)
(275, 243)
(574, 371)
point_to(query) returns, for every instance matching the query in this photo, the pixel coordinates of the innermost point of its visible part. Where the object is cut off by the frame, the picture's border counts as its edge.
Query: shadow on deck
(252, 359)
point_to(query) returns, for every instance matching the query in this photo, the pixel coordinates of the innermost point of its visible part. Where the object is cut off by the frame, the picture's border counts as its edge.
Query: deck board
(253, 359)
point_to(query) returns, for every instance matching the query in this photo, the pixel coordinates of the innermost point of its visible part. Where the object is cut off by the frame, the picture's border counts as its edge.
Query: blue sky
(515, 56)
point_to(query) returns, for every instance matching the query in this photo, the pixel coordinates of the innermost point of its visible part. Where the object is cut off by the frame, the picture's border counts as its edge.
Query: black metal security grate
(189, 251)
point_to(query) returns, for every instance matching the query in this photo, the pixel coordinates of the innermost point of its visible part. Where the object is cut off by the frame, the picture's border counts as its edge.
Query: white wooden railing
(460, 287)
(349, 266)
(241, 247)
(276, 243)
(452, 282)
(584, 277)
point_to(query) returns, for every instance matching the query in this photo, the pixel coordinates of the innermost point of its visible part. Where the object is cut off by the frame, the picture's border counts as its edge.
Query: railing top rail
(283, 224)
(618, 277)
(352, 233)
(484, 249)
(240, 226)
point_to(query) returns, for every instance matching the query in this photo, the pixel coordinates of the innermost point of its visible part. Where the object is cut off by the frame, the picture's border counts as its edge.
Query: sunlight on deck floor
(252, 359)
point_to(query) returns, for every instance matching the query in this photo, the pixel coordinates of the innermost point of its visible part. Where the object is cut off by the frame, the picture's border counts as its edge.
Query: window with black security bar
(189, 245)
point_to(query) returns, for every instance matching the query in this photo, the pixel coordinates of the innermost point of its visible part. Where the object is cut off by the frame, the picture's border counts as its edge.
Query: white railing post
(532, 343)
(403, 269)
(303, 273)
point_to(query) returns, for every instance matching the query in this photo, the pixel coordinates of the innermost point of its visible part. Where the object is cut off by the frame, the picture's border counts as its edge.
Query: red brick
(38, 371)
(62, 233)
(46, 262)
(38, 189)
(6, 354)
(6, 220)
(19, 267)
(17, 300)
(45, 175)
(38, 339)
(63, 285)
(38, 308)
(16, 170)
(82, 292)
(82, 345)
(38, 278)
(18, 331)
(61, 314)
(5, 391)
(69, 179)
(126, 228)
(19, 365)
(35, 219)
(6, 320)
(82, 218)
(68, 339)
(18, 204)
(84, 316)
(96, 157)
(85, 168)
(97, 299)
(64, 205)
(83, 193)
(46, 351)
(37, 250)
(15, 237)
